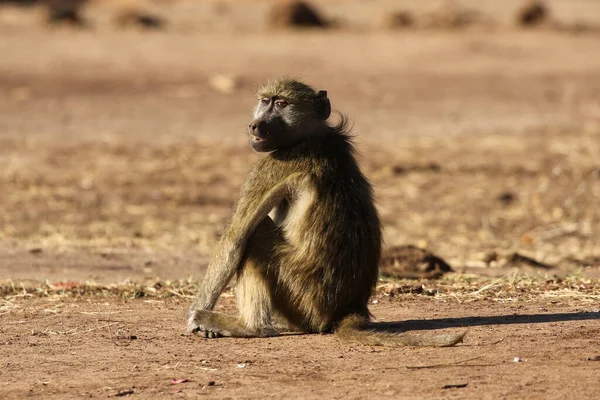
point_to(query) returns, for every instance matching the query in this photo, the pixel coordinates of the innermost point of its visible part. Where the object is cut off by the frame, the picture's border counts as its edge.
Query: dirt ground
(122, 150)
(101, 347)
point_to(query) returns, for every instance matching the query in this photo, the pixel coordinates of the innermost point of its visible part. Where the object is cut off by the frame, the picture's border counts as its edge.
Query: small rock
(136, 18)
(223, 83)
(532, 13)
(489, 256)
(66, 13)
(450, 16)
(298, 14)
(399, 20)
(123, 393)
(455, 386)
(507, 198)
(411, 262)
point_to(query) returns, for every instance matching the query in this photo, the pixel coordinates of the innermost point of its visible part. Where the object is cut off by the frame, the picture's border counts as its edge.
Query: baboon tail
(355, 328)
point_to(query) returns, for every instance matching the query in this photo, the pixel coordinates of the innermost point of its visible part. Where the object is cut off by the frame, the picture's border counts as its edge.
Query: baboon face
(268, 130)
(286, 114)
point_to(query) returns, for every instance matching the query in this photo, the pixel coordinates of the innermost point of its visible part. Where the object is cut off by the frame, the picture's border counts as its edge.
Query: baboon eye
(265, 100)
(281, 103)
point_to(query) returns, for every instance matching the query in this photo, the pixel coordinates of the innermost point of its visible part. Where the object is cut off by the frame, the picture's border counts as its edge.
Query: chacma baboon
(304, 238)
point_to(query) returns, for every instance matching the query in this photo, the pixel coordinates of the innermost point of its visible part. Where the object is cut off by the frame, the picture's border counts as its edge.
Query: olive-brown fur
(304, 238)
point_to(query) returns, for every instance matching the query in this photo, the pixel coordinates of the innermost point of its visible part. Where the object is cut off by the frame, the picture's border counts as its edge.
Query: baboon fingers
(207, 334)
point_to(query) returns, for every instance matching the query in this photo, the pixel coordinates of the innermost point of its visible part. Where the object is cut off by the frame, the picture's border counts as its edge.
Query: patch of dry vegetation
(536, 194)
(512, 288)
(450, 16)
(452, 287)
(111, 194)
(10, 290)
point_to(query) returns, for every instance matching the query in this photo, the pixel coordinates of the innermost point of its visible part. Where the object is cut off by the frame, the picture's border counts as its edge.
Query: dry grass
(110, 194)
(536, 193)
(512, 288)
(453, 287)
(10, 290)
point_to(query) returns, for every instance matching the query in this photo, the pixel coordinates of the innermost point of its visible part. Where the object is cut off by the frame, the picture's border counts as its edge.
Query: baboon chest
(291, 214)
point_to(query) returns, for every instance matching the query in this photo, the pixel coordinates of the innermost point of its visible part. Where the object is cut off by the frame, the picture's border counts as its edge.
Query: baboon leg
(253, 291)
(257, 277)
(254, 301)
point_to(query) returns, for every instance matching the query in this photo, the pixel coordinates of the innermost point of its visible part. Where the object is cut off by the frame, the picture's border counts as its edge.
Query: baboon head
(288, 111)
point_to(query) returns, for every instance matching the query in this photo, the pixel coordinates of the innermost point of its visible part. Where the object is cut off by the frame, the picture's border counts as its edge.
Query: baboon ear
(323, 105)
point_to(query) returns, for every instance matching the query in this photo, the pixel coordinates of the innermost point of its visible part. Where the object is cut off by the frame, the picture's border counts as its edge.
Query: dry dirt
(121, 152)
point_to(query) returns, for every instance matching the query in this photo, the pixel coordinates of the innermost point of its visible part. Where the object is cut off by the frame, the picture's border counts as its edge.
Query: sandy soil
(102, 348)
(121, 153)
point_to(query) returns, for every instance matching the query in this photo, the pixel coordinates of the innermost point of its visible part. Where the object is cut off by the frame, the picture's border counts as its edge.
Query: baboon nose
(252, 126)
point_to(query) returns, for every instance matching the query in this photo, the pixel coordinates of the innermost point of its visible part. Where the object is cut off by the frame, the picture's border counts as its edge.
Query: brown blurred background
(122, 140)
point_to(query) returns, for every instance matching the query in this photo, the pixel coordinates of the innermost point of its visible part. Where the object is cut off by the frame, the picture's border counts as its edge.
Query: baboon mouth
(258, 139)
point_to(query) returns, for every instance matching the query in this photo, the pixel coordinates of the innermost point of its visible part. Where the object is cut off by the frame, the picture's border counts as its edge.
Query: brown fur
(304, 238)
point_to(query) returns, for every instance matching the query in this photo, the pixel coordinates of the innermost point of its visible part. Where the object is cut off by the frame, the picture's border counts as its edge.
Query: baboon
(304, 238)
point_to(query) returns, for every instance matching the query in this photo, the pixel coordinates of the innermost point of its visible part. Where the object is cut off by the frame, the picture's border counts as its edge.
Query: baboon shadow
(464, 322)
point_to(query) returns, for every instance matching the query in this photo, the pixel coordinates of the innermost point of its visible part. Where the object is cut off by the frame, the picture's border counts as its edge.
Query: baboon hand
(207, 334)
(208, 324)
(199, 324)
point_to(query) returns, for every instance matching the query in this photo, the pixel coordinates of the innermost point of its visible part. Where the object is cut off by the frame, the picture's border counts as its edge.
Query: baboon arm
(229, 252)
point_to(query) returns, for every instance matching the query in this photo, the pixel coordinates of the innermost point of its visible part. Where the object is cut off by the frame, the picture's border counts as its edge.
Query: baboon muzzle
(264, 128)
(265, 134)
